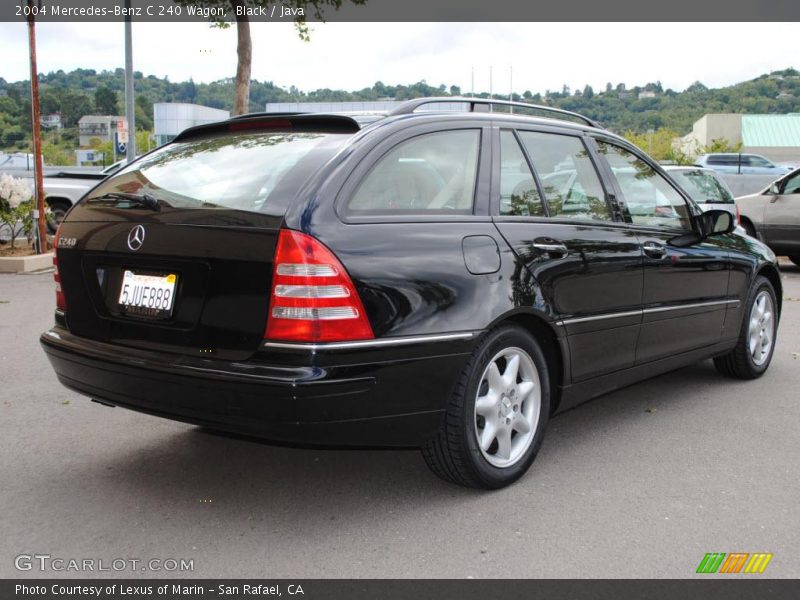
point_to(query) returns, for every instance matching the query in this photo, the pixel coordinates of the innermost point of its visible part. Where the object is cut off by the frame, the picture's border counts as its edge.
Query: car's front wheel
(58, 210)
(756, 344)
(496, 417)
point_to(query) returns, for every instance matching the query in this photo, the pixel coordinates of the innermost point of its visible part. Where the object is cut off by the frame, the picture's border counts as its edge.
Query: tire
(750, 359)
(58, 208)
(795, 258)
(455, 453)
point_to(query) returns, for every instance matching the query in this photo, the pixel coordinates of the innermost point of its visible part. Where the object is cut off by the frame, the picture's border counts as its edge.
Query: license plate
(147, 295)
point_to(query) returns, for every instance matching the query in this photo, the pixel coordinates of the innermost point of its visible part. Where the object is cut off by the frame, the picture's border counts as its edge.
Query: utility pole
(472, 93)
(511, 86)
(130, 115)
(36, 128)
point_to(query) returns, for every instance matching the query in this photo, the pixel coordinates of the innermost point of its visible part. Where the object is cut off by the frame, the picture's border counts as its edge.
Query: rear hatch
(175, 252)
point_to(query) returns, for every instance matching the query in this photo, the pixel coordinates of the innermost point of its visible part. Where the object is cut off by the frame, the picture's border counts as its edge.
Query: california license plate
(147, 295)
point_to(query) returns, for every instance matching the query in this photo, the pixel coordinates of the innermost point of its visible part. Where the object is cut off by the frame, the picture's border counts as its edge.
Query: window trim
(378, 152)
(517, 129)
(612, 179)
(537, 182)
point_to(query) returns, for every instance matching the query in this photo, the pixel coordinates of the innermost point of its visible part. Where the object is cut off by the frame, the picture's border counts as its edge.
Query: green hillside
(86, 91)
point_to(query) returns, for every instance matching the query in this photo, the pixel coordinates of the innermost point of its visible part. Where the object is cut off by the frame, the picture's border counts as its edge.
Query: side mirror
(774, 189)
(717, 222)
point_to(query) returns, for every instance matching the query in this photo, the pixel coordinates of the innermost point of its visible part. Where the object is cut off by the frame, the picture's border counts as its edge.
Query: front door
(685, 293)
(782, 217)
(551, 207)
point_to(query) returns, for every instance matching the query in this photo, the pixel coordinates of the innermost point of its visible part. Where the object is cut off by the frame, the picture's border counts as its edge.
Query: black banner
(394, 589)
(86, 11)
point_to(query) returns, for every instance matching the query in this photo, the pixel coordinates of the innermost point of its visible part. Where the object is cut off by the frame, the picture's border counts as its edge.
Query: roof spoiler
(281, 120)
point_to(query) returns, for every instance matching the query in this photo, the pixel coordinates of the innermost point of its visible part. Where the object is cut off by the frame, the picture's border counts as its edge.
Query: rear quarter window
(433, 173)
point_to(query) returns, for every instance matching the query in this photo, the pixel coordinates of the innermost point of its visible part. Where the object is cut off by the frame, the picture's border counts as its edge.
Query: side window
(518, 193)
(756, 161)
(431, 173)
(569, 180)
(651, 200)
(792, 185)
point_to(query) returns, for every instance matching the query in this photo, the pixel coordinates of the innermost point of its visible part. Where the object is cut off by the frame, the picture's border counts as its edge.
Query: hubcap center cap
(505, 406)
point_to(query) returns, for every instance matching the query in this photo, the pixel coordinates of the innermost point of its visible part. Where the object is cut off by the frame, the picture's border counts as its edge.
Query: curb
(26, 264)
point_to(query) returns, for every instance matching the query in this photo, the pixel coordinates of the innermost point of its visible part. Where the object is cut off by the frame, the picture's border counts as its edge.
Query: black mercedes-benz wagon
(446, 279)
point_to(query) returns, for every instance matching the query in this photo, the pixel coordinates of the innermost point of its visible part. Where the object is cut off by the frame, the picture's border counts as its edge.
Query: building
(101, 127)
(775, 136)
(51, 121)
(647, 94)
(170, 118)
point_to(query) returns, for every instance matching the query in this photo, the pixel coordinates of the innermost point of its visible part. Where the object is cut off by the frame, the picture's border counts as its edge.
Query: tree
(74, 105)
(244, 44)
(105, 101)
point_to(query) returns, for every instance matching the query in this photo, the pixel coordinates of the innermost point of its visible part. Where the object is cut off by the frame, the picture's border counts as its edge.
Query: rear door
(191, 274)
(552, 208)
(685, 294)
(782, 217)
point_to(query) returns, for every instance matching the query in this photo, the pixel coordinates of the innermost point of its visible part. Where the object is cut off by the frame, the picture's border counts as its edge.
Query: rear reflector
(313, 298)
(61, 302)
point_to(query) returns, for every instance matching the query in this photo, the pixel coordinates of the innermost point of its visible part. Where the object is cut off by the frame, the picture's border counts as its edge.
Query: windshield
(242, 171)
(703, 187)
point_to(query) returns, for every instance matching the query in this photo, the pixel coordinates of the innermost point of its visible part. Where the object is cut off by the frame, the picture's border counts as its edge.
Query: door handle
(550, 246)
(654, 250)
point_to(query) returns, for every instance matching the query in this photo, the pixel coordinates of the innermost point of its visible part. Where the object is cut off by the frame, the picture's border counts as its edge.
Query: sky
(350, 56)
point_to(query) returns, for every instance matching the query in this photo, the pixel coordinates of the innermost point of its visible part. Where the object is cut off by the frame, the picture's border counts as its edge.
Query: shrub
(16, 204)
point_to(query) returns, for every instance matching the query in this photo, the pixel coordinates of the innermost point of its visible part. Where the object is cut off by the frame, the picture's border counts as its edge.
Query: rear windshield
(243, 171)
(703, 187)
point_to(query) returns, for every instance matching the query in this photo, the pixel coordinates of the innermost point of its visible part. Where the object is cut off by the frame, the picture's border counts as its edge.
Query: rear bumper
(393, 398)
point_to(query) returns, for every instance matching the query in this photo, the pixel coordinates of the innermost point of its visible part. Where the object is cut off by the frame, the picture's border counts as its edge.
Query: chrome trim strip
(372, 343)
(695, 305)
(630, 313)
(633, 313)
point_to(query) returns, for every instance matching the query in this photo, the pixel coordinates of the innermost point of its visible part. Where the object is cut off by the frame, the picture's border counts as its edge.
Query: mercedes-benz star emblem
(136, 238)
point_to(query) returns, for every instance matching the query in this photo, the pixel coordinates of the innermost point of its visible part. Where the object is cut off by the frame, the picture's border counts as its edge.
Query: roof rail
(411, 106)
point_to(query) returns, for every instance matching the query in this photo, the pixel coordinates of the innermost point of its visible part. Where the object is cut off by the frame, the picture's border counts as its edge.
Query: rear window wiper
(145, 199)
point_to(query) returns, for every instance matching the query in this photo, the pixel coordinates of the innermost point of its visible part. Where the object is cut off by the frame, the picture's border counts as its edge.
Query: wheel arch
(746, 221)
(774, 277)
(554, 346)
(58, 200)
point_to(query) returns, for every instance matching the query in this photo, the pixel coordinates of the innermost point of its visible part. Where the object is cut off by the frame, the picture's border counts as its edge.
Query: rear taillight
(313, 298)
(61, 302)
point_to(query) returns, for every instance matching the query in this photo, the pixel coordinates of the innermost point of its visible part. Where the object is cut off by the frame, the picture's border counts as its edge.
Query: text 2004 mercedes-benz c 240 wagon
(445, 279)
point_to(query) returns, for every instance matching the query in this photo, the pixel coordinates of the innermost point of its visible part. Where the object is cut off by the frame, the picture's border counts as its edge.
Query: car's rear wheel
(795, 259)
(496, 417)
(756, 344)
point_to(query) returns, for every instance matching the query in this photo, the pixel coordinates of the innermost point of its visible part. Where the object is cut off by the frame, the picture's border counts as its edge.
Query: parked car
(773, 215)
(706, 188)
(747, 164)
(318, 279)
(64, 189)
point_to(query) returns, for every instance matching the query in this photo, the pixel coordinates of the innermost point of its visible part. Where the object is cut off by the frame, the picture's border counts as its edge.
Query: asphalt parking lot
(639, 483)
